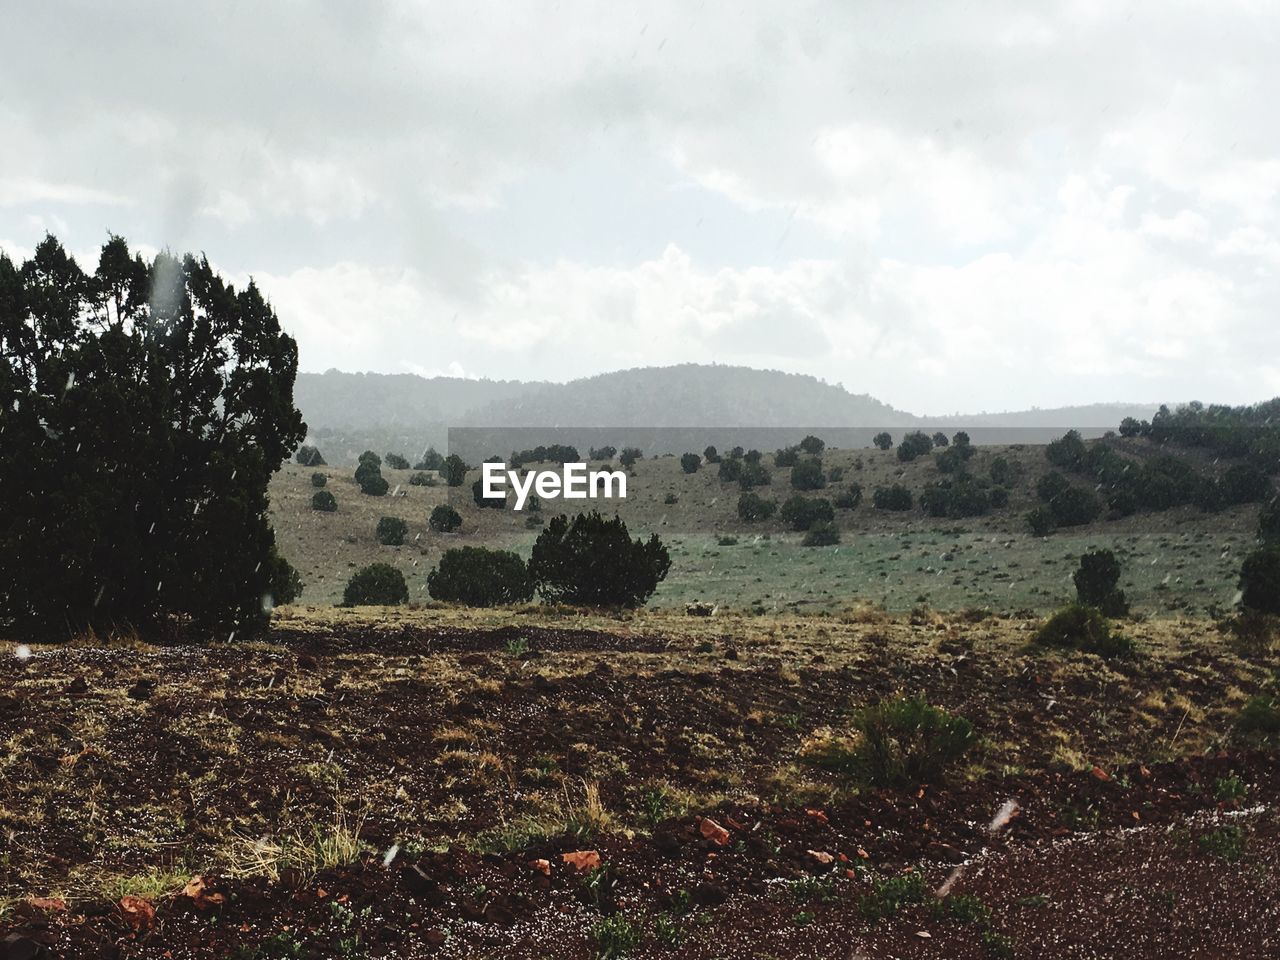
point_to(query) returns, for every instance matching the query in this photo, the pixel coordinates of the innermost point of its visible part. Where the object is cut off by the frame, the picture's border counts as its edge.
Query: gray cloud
(981, 205)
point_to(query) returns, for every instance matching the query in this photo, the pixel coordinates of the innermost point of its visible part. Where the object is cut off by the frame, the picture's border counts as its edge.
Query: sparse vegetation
(480, 577)
(324, 501)
(377, 584)
(391, 531)
(1079, 627)
(444, 519)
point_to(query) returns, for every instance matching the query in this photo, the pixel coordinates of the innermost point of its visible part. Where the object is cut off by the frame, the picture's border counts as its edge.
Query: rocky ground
(451, 784)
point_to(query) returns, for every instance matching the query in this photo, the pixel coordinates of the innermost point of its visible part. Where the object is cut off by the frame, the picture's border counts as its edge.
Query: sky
(952, 207)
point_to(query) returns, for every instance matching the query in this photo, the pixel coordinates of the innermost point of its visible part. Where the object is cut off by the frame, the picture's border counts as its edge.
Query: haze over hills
(350, 411)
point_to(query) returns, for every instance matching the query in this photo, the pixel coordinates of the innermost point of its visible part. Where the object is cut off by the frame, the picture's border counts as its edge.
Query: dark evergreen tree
(480, 577)
(591, 561)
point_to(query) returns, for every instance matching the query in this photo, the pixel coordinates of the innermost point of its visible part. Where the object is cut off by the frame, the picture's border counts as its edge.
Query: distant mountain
(349, 412)
(689, 395)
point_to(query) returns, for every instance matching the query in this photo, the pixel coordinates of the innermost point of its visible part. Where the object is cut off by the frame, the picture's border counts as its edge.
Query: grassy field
(1181, 560)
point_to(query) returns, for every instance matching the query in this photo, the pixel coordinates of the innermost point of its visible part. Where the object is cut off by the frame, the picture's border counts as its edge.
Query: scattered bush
(812, 445)
(807, 475)
(480, 577)
(1260, 580)
(951, 460)
(309, 456)
(913, 445)
(324, 501)
(1075, 507)
(940, 439)
(286, 584)
(431, 460)
(903, 742)
(545, 453)
(962, 497)
(319, 479)
(444, 519)
(455, 470)
(821, 534)
(1259, 719)
(850, 498)
(496, 502)
(396, 461)
(1002, 472)
(591, 561)
(1051, 484)
(690, 462)
(882, 440)
(752, 507)
(369, 475)
(1066, 452)
(961, 439)
(786, 457)
(606, 452)
(1040, 522)
(391, 531)
(1243, 483)
(896, 497)
(729, 471)
(801, 513)
(629, 456)
(378, 584)
(1078, 627)
(753, 456)
(1130, 427)
(1097, 583)
(752, 473)
(999, 497)
(422, 479)
(711, 455)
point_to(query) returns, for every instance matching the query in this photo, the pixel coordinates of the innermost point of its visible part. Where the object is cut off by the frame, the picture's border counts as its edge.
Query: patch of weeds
(803, 918)
(1225, 842)
(901, 742)
(1033, 901)
(1229, 789)
(997, 945)
(960, 907)
(666, 932)
(1078, 627)
(517, 646)
(1259, 719)
(615, 936)
(890, 894)
(814, 889)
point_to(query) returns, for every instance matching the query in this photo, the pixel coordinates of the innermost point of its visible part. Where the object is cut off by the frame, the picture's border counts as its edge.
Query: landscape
(718, 481)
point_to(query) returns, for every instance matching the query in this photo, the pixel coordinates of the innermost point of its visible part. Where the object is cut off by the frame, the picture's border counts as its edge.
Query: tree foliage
(377, 584)
(480, 577)
(593, 562)
(143, 409)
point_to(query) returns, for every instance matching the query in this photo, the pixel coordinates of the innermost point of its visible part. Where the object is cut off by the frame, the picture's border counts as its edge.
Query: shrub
(812, 445)
(377, 584)
(1040, 522)
(629, 456)
(1130, 427)
(422, 479)
(786, 457)
(286, 585)
(711, 455)
(821, 534)
(309, 456)
(753, 474)
(324, 501)
(753, 456)
(1097, 580)
(961, 439)
(369, 475)
(690, 462)
(752, 507)
(951, 460)
(1244, 483)
(1259, 719)
(591, 561)
(807, 475)
(444, 519)
(391, 531)
(896, 497)
(1002, 472)
(913, 445)
(396, 461)
(1260, 580)
(431, 460)
(1051, 484)
(319, 479)
(1269, 522)
(850, 498)
(903, 742)
(480, 577)
(955, 498)
(940, 439)
(455, 470)
(882, 440)
(801, 513)
(1074, 507)
(1068, 451)
(999, 497)
(495, 502)
(835, 474)
(1078, 627)
(606, 452)
(729, 471)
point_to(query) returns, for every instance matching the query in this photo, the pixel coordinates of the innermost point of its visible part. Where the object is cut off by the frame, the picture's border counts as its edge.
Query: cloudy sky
(953, 207)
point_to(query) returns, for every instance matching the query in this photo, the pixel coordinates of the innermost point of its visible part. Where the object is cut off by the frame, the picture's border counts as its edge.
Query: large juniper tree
(143, 409)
